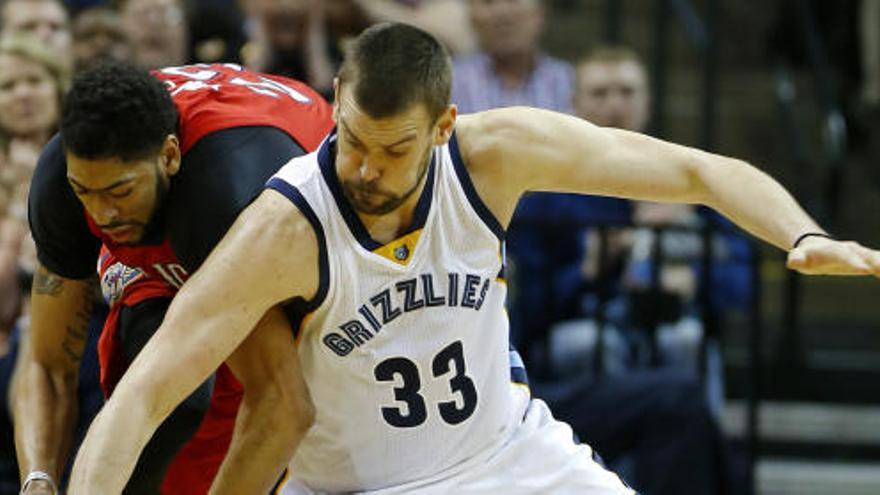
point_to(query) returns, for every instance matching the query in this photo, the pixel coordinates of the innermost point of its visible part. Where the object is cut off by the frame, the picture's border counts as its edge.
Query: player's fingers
(840, 259)
(871, 257)
(797, 259)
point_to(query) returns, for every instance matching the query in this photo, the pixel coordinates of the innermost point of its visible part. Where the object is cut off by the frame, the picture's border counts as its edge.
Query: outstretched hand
(820, 256)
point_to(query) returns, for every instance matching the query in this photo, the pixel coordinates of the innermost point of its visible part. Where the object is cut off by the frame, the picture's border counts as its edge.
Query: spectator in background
(668, 441)
(510, 69)
(613, 91)
(447, 20)
(658, 417)
(157, 31)
(290, 38)
(45, 20)
(98, 36)
(305, 39)
(216, 29)
(33, 80)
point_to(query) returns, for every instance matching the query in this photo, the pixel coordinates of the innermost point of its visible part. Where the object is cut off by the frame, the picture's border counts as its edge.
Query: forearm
(754, 201)
(44, 400)
(267, 433)
(112, 446)
(171, 365)
(45, 410)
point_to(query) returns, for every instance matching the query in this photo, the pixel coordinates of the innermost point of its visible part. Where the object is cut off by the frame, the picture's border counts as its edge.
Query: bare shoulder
(493, 137)
(482, 136)
(492, 145)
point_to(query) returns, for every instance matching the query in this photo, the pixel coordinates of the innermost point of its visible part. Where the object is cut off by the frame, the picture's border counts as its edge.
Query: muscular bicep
(539, 150)
(65, 245)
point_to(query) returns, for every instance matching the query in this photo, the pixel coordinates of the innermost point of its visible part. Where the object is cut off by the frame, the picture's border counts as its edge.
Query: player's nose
(369, 172)
(104, 212)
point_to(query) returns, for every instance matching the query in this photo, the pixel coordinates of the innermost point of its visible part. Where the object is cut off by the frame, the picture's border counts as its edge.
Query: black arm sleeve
(219, 177)
(65, 245)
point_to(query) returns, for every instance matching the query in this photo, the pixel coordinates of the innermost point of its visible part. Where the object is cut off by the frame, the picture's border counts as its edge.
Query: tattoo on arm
(76, 334)
(47, 284)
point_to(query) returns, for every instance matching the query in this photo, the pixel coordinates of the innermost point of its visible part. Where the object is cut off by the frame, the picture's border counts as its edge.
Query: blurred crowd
(605, 294)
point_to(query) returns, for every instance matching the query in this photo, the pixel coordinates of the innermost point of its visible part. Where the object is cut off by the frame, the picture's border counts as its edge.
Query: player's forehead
(351, 120)
(100, 173)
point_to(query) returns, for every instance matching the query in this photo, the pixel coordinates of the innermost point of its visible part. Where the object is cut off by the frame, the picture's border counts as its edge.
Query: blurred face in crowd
(283, 21)
(157, 32)
(98, 36)
(28, 96)
(45, 20)
(507, 27)
(612, 94)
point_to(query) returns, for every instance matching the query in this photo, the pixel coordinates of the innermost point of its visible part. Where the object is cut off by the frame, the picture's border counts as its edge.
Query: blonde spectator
(32, 83)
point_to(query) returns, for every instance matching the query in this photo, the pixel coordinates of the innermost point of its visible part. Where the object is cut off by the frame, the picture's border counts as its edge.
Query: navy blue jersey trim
(517, 368)
(502, 252)
(326, 161)
(464, 178)
(292, 193)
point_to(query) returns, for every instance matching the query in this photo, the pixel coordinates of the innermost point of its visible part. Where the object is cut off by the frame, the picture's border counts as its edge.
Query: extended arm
(269, 254)
(44, 395)
(537, 150)
(275, 413)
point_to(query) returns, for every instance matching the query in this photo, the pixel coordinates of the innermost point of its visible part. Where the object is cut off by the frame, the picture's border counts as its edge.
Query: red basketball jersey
(214, 97)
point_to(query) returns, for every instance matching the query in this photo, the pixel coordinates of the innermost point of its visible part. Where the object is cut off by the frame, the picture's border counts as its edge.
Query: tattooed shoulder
(47, 283)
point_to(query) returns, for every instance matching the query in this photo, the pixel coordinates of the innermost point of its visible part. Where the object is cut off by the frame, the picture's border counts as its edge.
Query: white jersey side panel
(408, 364)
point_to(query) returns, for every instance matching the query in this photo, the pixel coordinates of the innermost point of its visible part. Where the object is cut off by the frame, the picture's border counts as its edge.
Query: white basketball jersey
(406, 349)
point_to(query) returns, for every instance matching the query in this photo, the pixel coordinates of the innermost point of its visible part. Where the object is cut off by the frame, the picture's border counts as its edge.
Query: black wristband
(809, 234)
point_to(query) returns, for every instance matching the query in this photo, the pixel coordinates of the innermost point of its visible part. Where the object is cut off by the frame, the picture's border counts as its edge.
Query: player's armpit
(276, 411)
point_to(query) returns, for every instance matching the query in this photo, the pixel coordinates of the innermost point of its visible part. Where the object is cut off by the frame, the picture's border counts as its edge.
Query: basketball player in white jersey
(390, 239)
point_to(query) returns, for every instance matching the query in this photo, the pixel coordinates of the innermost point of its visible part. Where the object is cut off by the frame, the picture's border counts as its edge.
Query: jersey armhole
(298, 308)
(476, 202)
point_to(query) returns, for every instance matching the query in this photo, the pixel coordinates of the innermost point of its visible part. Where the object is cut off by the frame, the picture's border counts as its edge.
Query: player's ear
(169, 156)
(445, 125)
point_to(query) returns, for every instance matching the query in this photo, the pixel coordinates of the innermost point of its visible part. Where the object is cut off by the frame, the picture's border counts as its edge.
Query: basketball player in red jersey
(156, 167)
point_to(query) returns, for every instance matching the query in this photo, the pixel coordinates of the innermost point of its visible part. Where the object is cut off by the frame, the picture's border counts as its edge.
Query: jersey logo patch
(115, 279)
(400, 250)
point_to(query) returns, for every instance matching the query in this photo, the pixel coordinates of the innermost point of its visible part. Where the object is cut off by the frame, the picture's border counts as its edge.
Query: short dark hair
(117, 110)
(392, 66)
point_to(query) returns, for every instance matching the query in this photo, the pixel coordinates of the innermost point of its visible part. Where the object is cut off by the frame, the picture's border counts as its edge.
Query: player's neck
(385, 228)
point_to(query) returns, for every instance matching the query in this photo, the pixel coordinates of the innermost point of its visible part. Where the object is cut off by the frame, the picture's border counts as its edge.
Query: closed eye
(120, 194)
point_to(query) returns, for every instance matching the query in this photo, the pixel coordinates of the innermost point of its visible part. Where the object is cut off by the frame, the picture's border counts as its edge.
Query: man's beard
(153, 230)
(393, 201)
